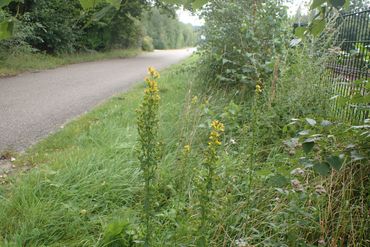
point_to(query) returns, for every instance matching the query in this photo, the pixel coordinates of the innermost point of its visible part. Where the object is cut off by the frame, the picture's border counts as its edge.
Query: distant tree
(166, 31)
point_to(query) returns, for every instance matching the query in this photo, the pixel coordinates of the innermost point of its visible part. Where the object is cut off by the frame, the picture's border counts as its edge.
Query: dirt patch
(6, 167)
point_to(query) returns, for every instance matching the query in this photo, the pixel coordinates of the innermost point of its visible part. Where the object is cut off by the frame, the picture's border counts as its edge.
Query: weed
(148, 125)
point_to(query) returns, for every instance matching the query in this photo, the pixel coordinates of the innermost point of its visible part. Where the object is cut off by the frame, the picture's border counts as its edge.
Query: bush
(243, 38)
(55, 25)
(147, 44)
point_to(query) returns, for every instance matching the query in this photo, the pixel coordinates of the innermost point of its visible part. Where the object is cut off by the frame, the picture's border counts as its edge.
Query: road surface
(32, 105)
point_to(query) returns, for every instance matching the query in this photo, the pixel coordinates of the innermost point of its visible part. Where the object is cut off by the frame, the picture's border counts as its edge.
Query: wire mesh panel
(350, 70)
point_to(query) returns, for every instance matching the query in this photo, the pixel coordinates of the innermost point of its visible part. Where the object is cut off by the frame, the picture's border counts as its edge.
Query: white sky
(187, 17)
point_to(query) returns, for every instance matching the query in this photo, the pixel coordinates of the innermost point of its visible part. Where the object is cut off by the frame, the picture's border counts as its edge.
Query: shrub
(147, 44)
(55, 29)
(242, 39)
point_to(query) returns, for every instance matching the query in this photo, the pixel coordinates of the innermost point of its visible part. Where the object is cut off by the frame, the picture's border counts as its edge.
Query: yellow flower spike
(218, 126)
(258, 89)
(153, 72)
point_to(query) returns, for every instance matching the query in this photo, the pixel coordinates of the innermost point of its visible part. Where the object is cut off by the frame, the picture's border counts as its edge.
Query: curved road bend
(32, 105)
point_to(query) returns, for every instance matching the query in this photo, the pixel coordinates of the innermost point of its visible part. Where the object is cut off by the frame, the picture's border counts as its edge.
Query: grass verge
(18, 63)
(86, 175)
(272, 181)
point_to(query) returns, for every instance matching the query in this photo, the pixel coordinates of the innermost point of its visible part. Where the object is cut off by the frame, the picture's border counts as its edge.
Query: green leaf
(6, 29)
(197, 4)
(347, 4)
(300, 31)
(360, 99)
(322, 168)
(4, 3)
(317, 26)
(335, 162)
(277, 181)
(317, 3)
(115, 3)
(342, 101)
(308, 146)
(89, 4)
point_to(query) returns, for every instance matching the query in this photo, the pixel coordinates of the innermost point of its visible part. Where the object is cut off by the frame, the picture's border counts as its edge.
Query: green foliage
(57, 27)
(147, 44)
(6, 23)
(90, 4)
(167, 32)
(55, 30)
(193, 4)
(237, 49)
(123, 232)
(287, 203)
(325, 8)
(327, 146)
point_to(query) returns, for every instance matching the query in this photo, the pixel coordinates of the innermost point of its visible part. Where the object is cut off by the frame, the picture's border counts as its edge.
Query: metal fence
(351, 67)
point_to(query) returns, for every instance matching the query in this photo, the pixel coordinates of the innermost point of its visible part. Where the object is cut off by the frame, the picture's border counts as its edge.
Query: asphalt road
(33, 105)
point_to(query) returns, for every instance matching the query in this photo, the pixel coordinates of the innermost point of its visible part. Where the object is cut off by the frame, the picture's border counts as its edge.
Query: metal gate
(350, 70)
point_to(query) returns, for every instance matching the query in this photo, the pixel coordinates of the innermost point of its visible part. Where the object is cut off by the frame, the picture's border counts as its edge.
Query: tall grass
(86, 176)
(87, 189)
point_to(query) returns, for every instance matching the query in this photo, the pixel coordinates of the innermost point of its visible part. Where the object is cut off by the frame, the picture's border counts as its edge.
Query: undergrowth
(266, 168)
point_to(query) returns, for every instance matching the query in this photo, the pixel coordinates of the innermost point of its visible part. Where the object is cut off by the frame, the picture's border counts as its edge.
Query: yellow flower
(258, 89)
(217, 126)
(194, 100)
(217, 129)
(153, 72)
(187, 148)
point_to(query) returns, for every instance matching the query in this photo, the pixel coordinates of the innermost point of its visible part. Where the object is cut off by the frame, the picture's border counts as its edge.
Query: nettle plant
(325, 146)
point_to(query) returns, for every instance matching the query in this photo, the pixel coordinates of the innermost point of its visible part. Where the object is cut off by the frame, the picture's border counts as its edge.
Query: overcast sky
(187, 17)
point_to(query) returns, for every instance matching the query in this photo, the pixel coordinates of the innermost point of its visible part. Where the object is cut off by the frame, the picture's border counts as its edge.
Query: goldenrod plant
(210, 163)
(147, 121)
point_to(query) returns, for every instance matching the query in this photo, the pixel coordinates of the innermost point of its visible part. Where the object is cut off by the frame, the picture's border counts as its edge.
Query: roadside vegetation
(22, 62)
(48, 33)
(236, 146)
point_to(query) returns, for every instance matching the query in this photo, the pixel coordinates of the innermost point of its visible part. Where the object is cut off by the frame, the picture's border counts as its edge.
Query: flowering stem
(207, 190)
(148, 122)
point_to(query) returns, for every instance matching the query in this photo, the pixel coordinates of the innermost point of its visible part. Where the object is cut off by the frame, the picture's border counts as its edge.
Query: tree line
(55, 26)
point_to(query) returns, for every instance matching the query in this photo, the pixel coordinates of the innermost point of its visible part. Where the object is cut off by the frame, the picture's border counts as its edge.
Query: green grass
(89, 165)
(86, 188)
(18, 63)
